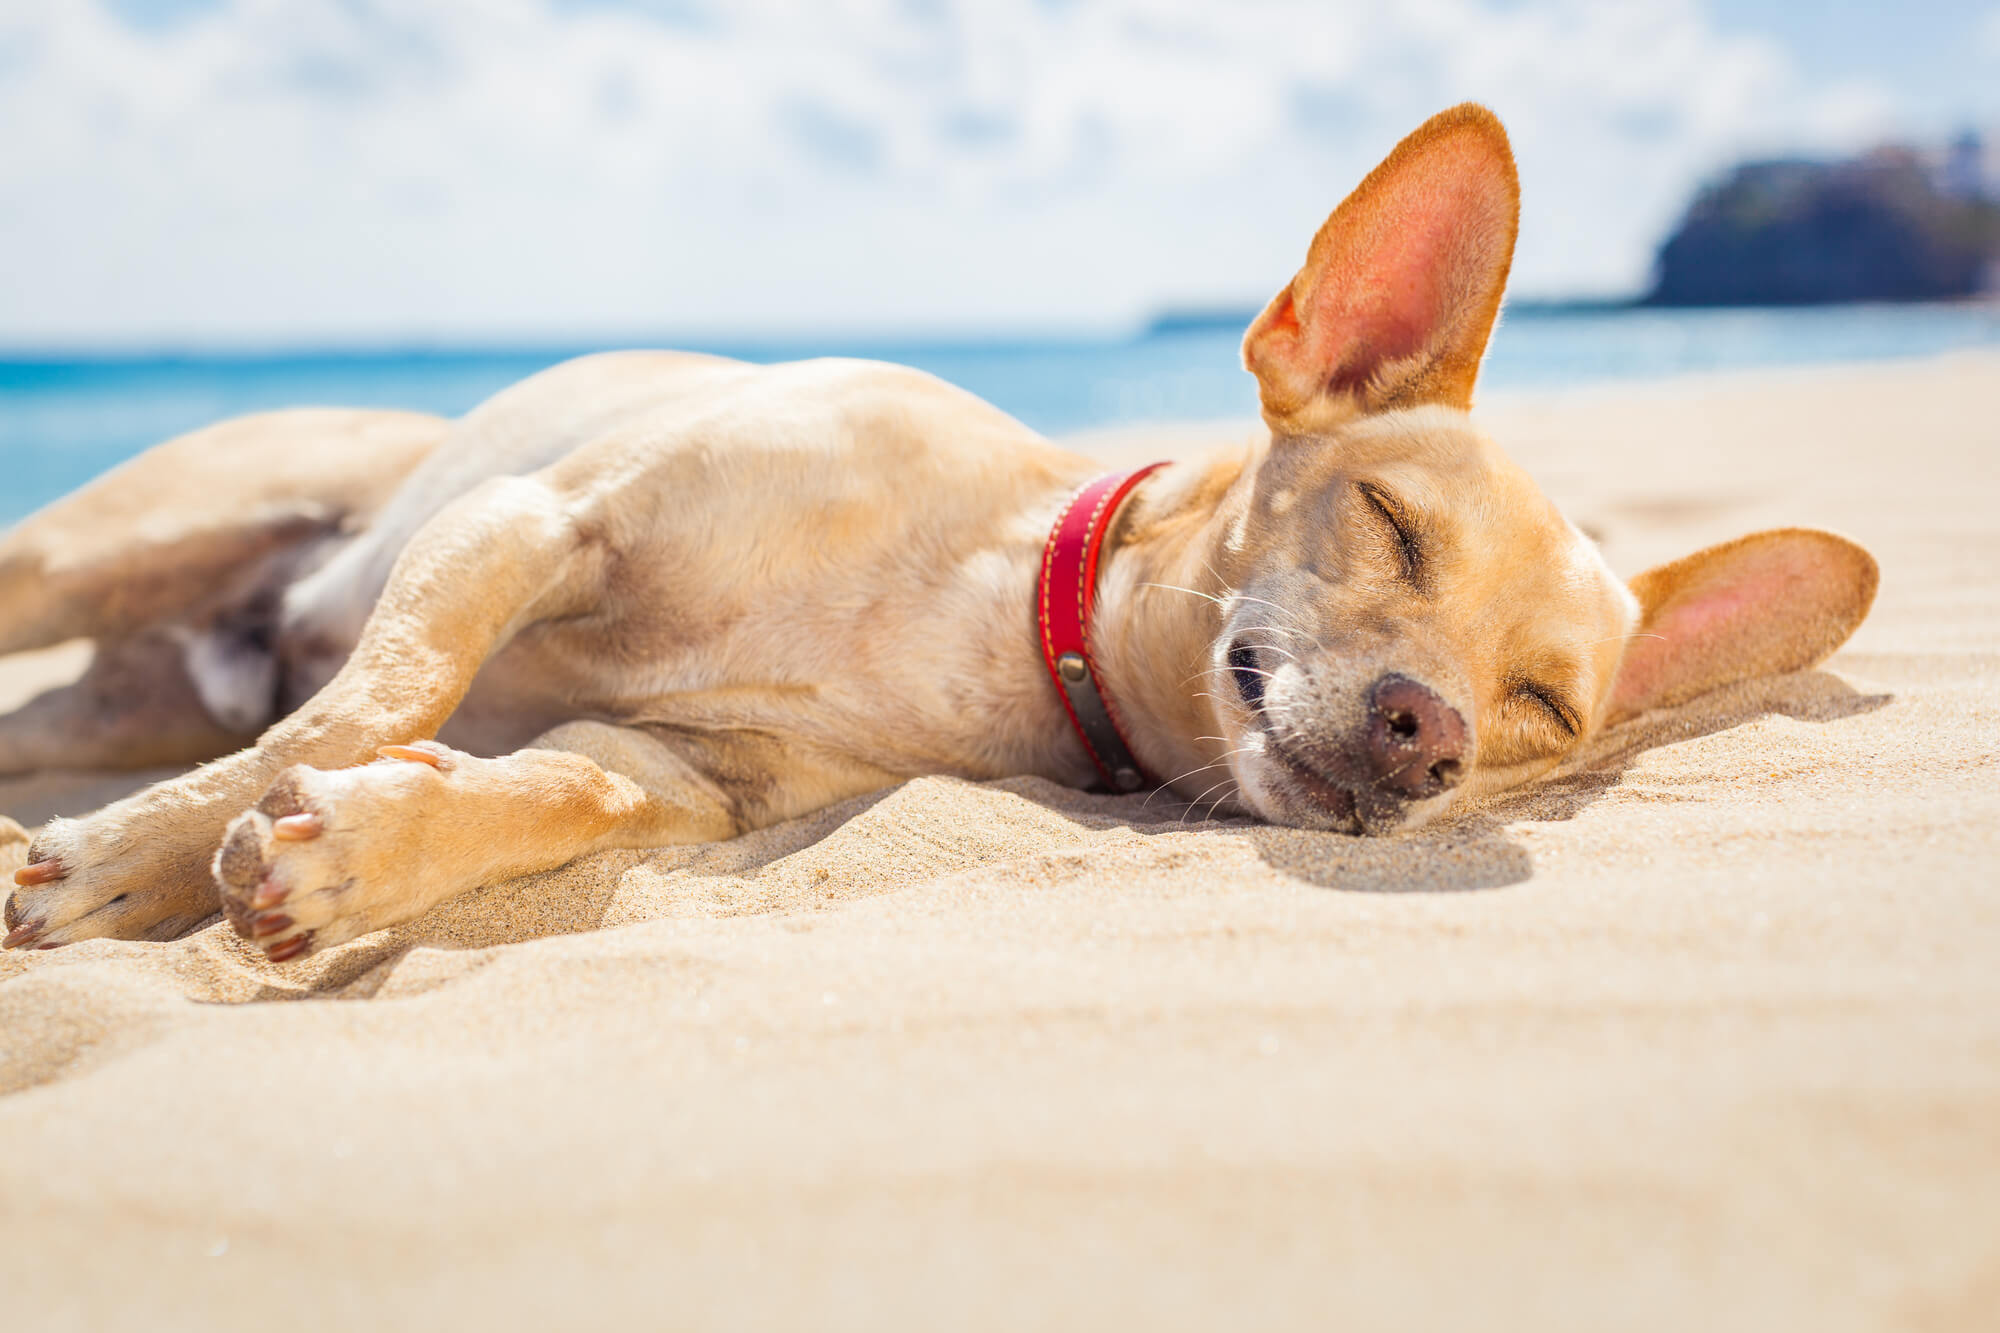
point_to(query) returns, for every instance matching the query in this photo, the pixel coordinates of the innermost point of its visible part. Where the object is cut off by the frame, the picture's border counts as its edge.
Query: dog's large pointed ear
(1763, 604)
(1401, 286)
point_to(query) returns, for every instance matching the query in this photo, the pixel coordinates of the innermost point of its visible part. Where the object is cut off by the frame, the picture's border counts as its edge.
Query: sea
(67, 416)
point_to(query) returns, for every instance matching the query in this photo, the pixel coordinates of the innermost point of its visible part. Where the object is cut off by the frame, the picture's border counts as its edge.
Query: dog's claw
(286, 950)
(297, 828)
(41, 872)
(21, 934)
(413, 753)
(269, 894)
(269, 923)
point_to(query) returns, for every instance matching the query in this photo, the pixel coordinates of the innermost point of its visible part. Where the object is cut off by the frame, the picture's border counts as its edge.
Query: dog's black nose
(1416, 741)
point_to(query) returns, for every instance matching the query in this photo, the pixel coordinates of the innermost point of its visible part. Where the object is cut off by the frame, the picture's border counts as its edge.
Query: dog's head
(1407, 618)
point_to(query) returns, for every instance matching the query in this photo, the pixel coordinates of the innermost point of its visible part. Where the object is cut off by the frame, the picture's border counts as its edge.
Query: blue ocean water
(65, 418)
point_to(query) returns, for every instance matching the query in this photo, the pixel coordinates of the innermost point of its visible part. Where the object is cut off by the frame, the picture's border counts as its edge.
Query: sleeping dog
(650, 598)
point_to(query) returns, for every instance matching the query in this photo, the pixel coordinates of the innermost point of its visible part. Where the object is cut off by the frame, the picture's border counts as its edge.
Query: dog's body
(707, 596)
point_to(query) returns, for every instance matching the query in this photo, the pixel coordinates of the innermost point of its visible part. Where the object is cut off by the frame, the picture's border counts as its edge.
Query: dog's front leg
(504, 556)
(329, 855)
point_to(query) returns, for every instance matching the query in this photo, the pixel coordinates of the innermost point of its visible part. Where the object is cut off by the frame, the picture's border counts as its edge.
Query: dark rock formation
(1878, 228)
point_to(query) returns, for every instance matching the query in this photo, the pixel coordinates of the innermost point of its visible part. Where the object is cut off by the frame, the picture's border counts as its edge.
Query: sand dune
(1704, 1034)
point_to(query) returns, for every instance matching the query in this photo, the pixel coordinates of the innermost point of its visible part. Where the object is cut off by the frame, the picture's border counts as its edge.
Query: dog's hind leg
(173, 565)
(160, 697)
(506, 555)
(180, 529)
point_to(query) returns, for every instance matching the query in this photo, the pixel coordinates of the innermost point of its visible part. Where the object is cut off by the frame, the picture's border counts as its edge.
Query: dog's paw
(102, 877)
(327, 856)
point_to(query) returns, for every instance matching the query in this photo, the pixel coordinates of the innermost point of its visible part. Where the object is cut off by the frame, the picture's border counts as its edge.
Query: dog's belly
(520, 430)
(906, 704)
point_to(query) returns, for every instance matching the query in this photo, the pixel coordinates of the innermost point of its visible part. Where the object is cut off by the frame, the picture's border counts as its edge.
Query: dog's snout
(1416, 741)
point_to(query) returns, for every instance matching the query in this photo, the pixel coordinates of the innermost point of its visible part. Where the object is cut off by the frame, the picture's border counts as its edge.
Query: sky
(313, 172)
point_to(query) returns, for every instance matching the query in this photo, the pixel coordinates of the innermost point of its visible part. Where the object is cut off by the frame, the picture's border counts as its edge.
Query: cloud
(217, 169)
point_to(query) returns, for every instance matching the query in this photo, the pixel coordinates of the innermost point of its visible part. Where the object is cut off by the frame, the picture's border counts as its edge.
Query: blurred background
(1070, 207)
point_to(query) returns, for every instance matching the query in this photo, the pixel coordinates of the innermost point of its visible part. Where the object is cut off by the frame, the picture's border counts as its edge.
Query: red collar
(1068, 590)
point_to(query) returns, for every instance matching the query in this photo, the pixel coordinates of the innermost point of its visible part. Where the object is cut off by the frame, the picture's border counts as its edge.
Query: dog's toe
(269, 923)
(324, 857)
(240, 863)
(253, 878)
(131, 871)
(282, 855)
(52, 904)
(293, 946)
(303, 827)
(39, 872)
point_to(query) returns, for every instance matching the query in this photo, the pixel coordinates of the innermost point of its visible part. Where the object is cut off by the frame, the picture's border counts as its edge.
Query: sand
(1704, 1035)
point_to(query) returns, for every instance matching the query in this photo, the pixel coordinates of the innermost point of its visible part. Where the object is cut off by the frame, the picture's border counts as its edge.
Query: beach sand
(1706, 1034)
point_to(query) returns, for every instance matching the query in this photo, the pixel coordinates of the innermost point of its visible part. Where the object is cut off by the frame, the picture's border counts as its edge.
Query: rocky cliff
(1877, 228)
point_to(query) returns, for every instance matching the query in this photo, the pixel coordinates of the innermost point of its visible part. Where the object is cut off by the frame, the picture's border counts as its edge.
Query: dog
(651, 598)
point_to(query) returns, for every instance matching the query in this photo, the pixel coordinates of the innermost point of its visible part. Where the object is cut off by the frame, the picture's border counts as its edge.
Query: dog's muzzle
(1410, 746)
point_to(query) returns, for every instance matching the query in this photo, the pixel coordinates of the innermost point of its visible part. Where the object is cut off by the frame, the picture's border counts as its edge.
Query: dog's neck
(1158, 611)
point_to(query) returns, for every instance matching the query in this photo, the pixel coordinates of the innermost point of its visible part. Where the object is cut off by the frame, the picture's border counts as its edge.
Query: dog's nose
(1416, 741)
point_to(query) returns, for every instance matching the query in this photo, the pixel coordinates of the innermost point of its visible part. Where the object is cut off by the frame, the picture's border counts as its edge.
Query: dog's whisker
(1212, 671)
(1191, 772)
(1284, 629)
(1236, 595)
(1267, 647)
(1225, 670)
(1199, 799)
(1214, 573)
(1192, 592)
(1287, 612)
(1614, 638)
(1235, 788)
(1171, 781)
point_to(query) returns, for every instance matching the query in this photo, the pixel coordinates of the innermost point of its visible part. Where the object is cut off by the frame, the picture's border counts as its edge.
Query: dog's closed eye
(1545, 699)
(1408, 548)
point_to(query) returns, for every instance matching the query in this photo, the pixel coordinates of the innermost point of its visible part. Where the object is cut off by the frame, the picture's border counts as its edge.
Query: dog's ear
(1763, 604)
(1401, 286)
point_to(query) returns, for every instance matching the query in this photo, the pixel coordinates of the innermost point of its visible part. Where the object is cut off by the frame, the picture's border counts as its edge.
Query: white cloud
(305, 168)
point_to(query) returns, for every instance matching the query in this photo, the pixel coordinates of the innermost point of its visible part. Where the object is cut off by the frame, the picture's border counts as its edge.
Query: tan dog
(707, 596)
